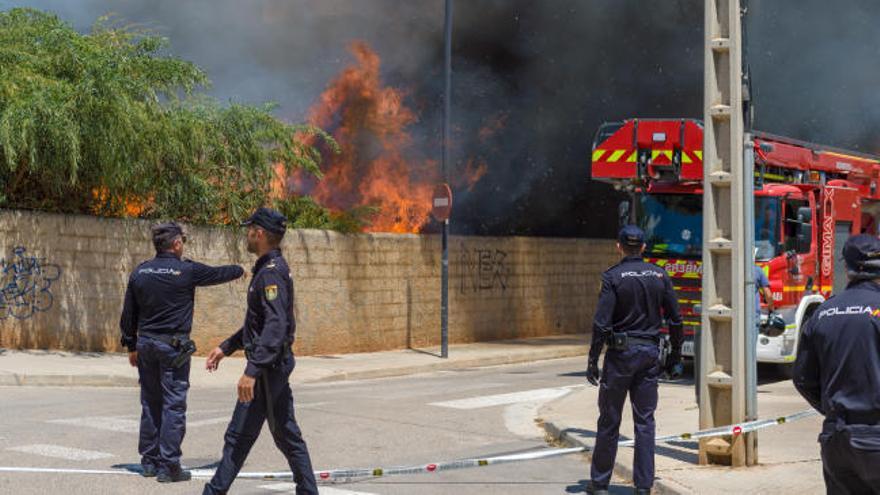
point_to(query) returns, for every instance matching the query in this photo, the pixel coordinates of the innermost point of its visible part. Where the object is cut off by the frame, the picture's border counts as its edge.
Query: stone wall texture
(64, 277)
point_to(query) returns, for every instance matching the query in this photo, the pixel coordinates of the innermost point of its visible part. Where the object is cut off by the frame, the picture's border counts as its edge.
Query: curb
(451, 365)
(563, 436)
(110, 380)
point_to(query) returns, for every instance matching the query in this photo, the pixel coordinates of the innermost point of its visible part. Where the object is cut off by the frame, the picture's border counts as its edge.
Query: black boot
(174, 476)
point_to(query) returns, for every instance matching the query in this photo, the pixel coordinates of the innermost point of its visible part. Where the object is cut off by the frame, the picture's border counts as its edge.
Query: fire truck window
(791, 226)
(767, 214)
(673, 223)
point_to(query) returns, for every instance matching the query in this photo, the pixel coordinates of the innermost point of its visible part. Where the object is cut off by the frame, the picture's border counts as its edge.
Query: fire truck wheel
(785, 370)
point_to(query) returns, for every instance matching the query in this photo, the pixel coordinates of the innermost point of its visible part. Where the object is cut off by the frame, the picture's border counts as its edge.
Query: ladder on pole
(723, 332)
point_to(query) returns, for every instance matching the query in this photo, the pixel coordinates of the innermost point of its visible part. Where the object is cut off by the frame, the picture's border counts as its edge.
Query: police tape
(349, 475)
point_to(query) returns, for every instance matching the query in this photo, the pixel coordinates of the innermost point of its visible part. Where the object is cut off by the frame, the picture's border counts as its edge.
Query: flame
(132, 206)
(473, 172)
(376, 167)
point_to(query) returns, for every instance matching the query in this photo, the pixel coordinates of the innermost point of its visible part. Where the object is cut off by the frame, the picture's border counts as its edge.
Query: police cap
(269, 219)
(631, 235)
(165, 233)
(862, 256)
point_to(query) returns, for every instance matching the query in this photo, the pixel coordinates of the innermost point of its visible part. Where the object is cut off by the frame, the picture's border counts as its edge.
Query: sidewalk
(56, 368)
(788, 454)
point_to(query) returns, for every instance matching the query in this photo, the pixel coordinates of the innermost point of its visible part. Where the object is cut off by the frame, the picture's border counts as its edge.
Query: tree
(109, 123)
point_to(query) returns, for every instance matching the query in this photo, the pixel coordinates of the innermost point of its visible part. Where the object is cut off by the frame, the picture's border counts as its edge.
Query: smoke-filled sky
(541, 76)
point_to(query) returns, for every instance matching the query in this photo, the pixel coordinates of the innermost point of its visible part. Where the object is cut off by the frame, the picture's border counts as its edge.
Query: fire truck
(808, 200)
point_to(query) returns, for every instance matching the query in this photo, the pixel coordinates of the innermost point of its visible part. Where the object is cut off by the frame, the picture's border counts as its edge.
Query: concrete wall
(355, 293)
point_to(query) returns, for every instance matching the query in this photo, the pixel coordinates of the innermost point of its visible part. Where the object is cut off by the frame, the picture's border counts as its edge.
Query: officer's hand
(246, 388)
(133, 359)
(593, 372)
(214, 358)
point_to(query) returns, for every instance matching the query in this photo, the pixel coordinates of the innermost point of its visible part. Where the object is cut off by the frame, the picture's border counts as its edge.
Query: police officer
(838, 372)
(264, 389)
(156, 323)
(634, 299)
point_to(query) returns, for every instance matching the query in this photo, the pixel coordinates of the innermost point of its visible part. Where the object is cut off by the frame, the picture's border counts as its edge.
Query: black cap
(164, 233)
(862, 256)
(630, 235)
(269, 219)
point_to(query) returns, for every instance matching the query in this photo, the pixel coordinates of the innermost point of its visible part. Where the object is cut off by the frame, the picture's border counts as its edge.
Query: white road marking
(127, 424)
(536, 395)
(325, 490)
(61, 452)
(108, 423)
(210, 421)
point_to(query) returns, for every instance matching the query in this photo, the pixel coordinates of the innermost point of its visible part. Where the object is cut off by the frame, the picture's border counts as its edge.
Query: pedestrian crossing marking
(61, 452)
(536, 395)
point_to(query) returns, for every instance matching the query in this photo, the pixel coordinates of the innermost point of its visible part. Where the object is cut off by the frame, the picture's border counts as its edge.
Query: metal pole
(447, 111)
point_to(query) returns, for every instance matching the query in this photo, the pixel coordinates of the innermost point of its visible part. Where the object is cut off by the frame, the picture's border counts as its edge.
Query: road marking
(60, 452)
(206, 422)
(537, 395)
(325, 490)
(108, 423)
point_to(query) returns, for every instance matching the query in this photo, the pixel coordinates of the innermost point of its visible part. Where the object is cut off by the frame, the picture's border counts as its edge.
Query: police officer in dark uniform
(634, 299)
(838, 371)
(156, 323)
(264, 389)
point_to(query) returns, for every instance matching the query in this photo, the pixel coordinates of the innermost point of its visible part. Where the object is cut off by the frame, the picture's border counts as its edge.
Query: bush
(108, 123)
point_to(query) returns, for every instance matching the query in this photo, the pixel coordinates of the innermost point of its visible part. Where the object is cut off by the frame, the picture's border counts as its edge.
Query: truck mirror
(804, 237)
(804, 214)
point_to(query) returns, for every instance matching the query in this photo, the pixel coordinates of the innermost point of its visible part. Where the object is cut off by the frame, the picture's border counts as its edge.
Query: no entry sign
(441, 202)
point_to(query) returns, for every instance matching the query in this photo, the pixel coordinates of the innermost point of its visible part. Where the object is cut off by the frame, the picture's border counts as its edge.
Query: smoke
(532, 80)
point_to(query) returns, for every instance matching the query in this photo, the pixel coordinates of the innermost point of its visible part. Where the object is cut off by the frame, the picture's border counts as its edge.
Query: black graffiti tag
(25, 285)
(483, 270)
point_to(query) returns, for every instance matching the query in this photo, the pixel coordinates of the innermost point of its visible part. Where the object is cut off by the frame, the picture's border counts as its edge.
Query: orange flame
(370, 122)
(132, 207)
(473, 172)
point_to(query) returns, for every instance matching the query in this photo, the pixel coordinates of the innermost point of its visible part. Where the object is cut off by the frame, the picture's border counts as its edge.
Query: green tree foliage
(109, 123)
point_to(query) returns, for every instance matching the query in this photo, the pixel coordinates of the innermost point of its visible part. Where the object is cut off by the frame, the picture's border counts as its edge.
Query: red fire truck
(808, 200)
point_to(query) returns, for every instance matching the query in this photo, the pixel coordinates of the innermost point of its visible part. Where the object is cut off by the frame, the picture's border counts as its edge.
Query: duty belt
(172, 339)
(856, 418)
(641, 340)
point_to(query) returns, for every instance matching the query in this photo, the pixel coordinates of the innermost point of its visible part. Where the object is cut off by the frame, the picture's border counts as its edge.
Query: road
(399, 421)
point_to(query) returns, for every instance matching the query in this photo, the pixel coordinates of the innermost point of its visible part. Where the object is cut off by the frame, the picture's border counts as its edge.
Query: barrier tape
(348, 475)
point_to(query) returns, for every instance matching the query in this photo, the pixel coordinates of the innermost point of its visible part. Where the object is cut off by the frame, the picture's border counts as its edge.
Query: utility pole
(727, 260)
(447, 110)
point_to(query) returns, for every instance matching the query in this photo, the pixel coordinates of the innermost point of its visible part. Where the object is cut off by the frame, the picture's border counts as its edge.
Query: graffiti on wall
(25, 284)
(483, 270)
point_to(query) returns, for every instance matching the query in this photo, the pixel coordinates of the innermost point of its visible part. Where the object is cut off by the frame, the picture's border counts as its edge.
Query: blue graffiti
(25, 283)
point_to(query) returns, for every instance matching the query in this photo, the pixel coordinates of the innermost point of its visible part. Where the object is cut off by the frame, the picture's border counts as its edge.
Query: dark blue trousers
(851, 459)
(247, 421)
(634, 371)
(163, 404)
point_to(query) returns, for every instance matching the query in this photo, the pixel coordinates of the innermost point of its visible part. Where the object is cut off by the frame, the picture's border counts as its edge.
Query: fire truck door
(841, 234)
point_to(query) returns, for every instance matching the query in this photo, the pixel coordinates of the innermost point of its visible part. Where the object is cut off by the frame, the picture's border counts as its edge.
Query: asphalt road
(411, 420)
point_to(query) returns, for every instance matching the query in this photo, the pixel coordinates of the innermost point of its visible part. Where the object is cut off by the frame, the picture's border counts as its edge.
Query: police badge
(271, 292)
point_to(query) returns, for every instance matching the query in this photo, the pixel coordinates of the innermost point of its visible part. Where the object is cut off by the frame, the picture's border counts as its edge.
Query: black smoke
(551, 72)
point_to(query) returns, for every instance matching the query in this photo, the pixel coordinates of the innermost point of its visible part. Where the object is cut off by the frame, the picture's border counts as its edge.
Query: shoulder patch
(271, 292)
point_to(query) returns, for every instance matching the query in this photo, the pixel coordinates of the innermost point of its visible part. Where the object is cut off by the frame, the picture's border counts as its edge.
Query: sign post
(441, 203)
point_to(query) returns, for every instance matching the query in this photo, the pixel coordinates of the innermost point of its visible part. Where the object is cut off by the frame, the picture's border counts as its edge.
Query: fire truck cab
(808, 200)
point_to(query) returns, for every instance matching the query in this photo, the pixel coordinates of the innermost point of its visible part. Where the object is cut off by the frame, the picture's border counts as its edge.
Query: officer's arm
(673, 315)
(602, 324)
(212, 275)
(269, 345)
(807, 377)
(233, 343)
(129, 320)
